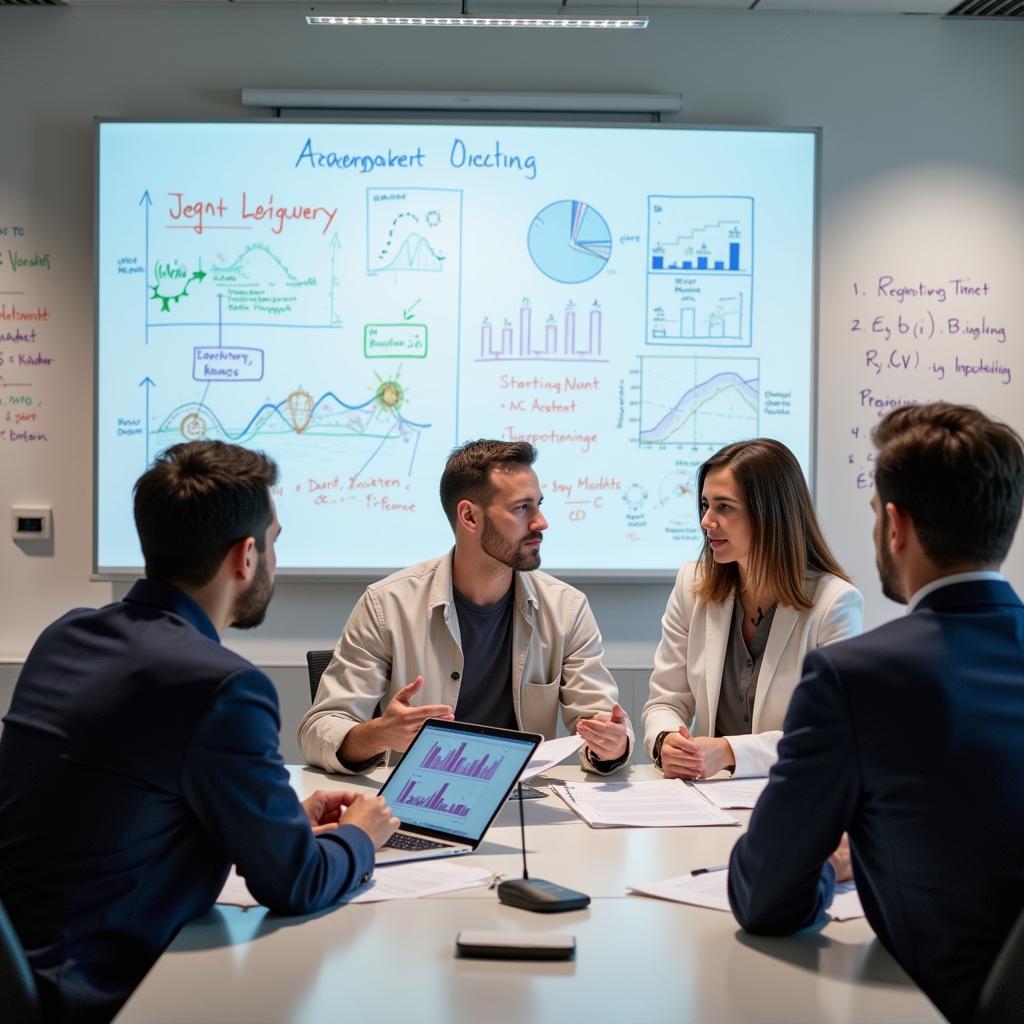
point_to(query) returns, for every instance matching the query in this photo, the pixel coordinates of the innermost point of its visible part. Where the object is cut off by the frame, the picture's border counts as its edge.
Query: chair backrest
(18, 993)
(316, 662)
(1002, 995)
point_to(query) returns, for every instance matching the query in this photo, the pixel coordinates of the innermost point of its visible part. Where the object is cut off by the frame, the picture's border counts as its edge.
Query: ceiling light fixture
(471, 21)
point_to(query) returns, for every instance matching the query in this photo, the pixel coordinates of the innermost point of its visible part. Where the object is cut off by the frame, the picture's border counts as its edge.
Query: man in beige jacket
(477, 635)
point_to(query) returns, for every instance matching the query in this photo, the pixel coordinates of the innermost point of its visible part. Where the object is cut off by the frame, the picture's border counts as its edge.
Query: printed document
(732, 792)
(710, 889)
(706, 890)
(390, 882)
(662, 803)
(550, 753)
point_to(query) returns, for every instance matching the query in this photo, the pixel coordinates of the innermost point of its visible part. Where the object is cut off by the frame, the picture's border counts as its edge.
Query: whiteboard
(357, 299)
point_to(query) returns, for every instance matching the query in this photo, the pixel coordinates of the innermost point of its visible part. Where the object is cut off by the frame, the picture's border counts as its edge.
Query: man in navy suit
(139, 758)
(910, 738)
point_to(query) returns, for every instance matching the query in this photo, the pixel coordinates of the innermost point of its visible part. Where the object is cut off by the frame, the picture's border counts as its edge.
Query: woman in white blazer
(765, 590)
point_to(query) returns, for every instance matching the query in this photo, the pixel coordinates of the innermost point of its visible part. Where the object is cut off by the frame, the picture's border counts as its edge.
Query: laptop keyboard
(400, 841)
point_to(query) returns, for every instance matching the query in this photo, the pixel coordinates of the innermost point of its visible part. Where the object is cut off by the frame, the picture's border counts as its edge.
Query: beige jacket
(406, 625)
(690, 659)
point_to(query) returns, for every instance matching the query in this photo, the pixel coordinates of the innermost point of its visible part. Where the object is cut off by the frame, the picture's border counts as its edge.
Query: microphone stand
(535, 893)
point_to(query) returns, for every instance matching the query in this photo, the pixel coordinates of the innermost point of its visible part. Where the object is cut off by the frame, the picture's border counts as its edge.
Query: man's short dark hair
(467, 473)
(958, 474)
(195, 502)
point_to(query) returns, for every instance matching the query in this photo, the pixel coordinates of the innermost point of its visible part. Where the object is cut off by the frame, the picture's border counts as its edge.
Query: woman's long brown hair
(786, 540)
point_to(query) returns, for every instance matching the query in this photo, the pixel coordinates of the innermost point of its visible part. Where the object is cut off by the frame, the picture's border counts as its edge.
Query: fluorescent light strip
(471, 21)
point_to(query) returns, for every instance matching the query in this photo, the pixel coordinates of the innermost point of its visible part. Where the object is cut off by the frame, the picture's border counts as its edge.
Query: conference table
(637, 959)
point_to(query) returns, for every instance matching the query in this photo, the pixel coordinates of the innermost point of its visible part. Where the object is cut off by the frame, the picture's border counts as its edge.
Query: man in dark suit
(910, 738)
(139, 758)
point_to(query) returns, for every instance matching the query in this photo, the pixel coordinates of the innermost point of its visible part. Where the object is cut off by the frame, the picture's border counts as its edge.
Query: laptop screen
(455, 776)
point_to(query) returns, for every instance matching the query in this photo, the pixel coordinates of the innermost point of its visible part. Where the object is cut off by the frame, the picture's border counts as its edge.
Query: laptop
(449, 786)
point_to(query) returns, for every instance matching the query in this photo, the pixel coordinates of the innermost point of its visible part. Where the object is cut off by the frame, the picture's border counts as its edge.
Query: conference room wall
(922, 172)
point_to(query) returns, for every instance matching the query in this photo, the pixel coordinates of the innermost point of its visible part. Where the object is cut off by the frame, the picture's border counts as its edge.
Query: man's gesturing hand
(401, 721)
(605, 734)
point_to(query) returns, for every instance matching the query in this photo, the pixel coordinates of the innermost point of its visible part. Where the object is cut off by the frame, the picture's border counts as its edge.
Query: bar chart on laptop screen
(453, 783)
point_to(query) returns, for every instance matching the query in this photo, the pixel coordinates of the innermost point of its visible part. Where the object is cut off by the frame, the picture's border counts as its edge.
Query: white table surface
(638, 959)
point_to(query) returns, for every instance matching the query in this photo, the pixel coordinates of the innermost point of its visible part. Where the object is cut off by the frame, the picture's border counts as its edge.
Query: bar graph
(722, 320)
(434, 802)
(698, 257)
(700, 271)
(454, 763)
(574, 334)
(700, 234)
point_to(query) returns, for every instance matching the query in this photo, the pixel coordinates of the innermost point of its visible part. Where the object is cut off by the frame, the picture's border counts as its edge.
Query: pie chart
(569, 241)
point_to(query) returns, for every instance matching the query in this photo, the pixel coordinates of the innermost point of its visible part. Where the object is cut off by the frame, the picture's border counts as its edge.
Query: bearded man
(910, 738)
(139, 758)
(479, 634)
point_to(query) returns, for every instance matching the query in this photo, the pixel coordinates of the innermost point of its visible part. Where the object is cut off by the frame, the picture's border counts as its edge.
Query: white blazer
(688, 665)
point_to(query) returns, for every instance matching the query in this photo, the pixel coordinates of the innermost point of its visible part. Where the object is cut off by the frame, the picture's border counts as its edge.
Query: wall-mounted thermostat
(31, 522)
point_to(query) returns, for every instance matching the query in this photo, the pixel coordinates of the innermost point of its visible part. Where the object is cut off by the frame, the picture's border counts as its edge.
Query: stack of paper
(663, 803)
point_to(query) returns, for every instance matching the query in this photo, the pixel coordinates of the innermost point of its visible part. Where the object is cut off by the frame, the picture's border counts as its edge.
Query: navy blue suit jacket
(911, 738)
(138, 760)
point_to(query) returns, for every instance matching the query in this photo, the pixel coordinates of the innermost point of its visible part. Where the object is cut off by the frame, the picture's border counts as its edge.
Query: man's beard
(251, 606)
(507, 553)
(886, 568)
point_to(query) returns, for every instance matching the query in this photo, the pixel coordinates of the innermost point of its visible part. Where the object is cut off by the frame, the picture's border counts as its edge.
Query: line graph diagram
(257, 262)
(297, 413)
(693, 400)
(415, 230)
(259, 283)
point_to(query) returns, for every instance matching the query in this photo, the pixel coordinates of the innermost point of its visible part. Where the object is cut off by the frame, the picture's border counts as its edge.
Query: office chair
(316, 662)
(18, 994)
(1002, 995)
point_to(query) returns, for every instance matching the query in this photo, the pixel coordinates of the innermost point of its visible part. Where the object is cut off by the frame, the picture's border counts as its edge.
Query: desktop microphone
(534, 893)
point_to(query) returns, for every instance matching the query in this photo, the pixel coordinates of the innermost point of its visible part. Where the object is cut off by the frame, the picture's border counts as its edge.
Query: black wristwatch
(656, 749)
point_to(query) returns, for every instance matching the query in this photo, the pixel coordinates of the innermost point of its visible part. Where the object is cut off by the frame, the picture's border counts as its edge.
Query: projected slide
(357, 299)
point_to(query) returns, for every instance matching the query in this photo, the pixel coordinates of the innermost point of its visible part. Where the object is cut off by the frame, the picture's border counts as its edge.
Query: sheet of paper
(732, 792)
(236, 892)
(389, 882)
(707, 890)
(663, 803)
(845, 903)
(550, 753)
(711, 889)
(419, 878)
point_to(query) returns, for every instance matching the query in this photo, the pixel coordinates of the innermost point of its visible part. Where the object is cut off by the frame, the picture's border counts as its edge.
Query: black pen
(707, 871)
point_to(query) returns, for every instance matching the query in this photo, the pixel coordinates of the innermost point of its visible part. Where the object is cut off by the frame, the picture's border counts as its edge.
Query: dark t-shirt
(485, 691)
